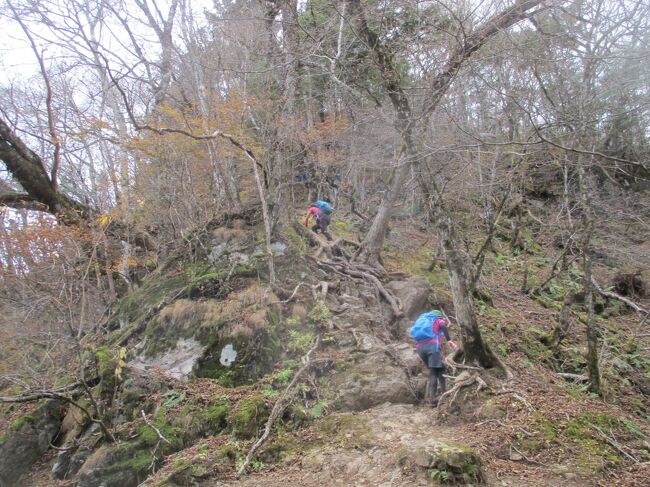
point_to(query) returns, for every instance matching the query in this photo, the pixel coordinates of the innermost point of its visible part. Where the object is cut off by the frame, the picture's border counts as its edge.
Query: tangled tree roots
(464, 380)
(333, 257)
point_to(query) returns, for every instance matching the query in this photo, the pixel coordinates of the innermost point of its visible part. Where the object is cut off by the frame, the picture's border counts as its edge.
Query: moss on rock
(445, 462)
(258, 349)
(249, 416)
(347, 429)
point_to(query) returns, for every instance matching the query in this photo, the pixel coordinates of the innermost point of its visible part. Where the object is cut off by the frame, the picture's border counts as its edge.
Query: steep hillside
(203, 359)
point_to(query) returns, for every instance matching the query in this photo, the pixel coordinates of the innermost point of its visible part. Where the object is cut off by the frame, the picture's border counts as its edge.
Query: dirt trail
(388, 456)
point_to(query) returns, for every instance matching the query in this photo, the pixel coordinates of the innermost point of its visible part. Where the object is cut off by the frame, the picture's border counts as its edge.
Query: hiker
(427, 331)
(322, 218)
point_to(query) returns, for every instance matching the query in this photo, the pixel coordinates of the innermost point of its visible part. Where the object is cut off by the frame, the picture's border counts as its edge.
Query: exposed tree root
(333, 257)
(461, 383)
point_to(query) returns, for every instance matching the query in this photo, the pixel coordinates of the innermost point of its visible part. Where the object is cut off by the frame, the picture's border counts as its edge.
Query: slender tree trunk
(374, 240)
(593, 368)
(474, 348)
(562, 327)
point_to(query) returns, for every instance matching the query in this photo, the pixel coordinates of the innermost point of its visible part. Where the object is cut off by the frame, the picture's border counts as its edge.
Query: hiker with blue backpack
(321, 210)
(427, 331)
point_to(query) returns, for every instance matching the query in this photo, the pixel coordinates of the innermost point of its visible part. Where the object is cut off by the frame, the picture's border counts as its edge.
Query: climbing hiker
(321, 210)
(427, 331)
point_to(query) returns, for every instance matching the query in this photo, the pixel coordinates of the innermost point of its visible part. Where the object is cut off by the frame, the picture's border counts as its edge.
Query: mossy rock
(258, 349)
(282, 448)
(211, 420)
(445, 462)
(106, 363)
(109, 467)
(150, 295)
(27, 439)
(249, 416)
(347, 429)
(195, 466)
(128, 463)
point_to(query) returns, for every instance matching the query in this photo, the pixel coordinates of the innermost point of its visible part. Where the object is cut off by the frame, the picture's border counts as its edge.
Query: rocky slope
(189, 368)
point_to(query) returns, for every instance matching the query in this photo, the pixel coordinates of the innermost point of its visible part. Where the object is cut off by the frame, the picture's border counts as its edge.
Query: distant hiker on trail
(321, 210)
(427, 331)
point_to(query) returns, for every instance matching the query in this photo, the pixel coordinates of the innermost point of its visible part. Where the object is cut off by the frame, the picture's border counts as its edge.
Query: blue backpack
(422, 330)
(324, 206)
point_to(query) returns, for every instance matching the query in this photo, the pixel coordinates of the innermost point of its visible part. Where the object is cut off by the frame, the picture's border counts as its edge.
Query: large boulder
(373, 381)
(177, 361)
(445, 461)
(413, 293)
(27, 439)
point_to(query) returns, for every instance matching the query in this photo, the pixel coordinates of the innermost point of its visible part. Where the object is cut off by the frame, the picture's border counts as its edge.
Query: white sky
(17, 58)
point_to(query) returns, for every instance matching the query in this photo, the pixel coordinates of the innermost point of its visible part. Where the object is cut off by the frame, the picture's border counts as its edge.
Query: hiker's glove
(453, 345)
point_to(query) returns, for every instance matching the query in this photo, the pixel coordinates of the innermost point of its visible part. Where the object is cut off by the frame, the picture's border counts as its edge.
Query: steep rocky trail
(211, 351)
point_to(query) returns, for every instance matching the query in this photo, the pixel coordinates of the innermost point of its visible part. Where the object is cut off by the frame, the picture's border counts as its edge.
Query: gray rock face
(374, 382)
(177, 362)
(413, 293)
(20, 448)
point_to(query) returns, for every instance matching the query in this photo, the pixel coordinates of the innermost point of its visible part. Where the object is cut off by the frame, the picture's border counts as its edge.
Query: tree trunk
(372, 244)
(28, 169)
(562, 327)
(592, 332)
(474, 348)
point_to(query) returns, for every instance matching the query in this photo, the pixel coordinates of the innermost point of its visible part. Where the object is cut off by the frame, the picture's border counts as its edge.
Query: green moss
(26, 419)
(348, 429)
(150, 295)
(438, 278)
(300, 342)
(22, 421)
(106, 362)
(297, 244)
(249, 416)
(580, 435)
(320, 313)
(213, 419)
(257, 355)
(140, 463)
(284, 447)
(230, 451)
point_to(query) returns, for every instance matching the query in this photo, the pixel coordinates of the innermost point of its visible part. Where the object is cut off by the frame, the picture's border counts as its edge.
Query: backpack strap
(430, 340)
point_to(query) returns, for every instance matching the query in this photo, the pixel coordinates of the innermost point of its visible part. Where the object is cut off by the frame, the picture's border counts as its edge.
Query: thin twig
(613, 443)
(150, 424)
(279, 407)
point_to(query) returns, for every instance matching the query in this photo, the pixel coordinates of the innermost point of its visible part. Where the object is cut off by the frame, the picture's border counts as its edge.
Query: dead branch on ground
(281, 404)
(573, 377)
(609, 294)
(614, 444)
(150, 424)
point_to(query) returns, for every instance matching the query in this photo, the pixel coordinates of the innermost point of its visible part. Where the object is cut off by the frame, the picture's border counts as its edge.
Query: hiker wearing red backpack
(427, 331)
(321, 210)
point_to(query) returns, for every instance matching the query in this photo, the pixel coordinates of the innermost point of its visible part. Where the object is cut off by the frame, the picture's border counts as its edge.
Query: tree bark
(28, 169)
(593, 369)
(474, 347)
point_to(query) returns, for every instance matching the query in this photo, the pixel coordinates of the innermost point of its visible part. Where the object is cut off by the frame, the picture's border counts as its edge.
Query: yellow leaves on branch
(226, 115)
(120, 363)
(29, 238)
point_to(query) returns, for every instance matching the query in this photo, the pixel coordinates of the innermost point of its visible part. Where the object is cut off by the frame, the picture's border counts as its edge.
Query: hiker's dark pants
(431, 356)
(322, 226)
(435, 378)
